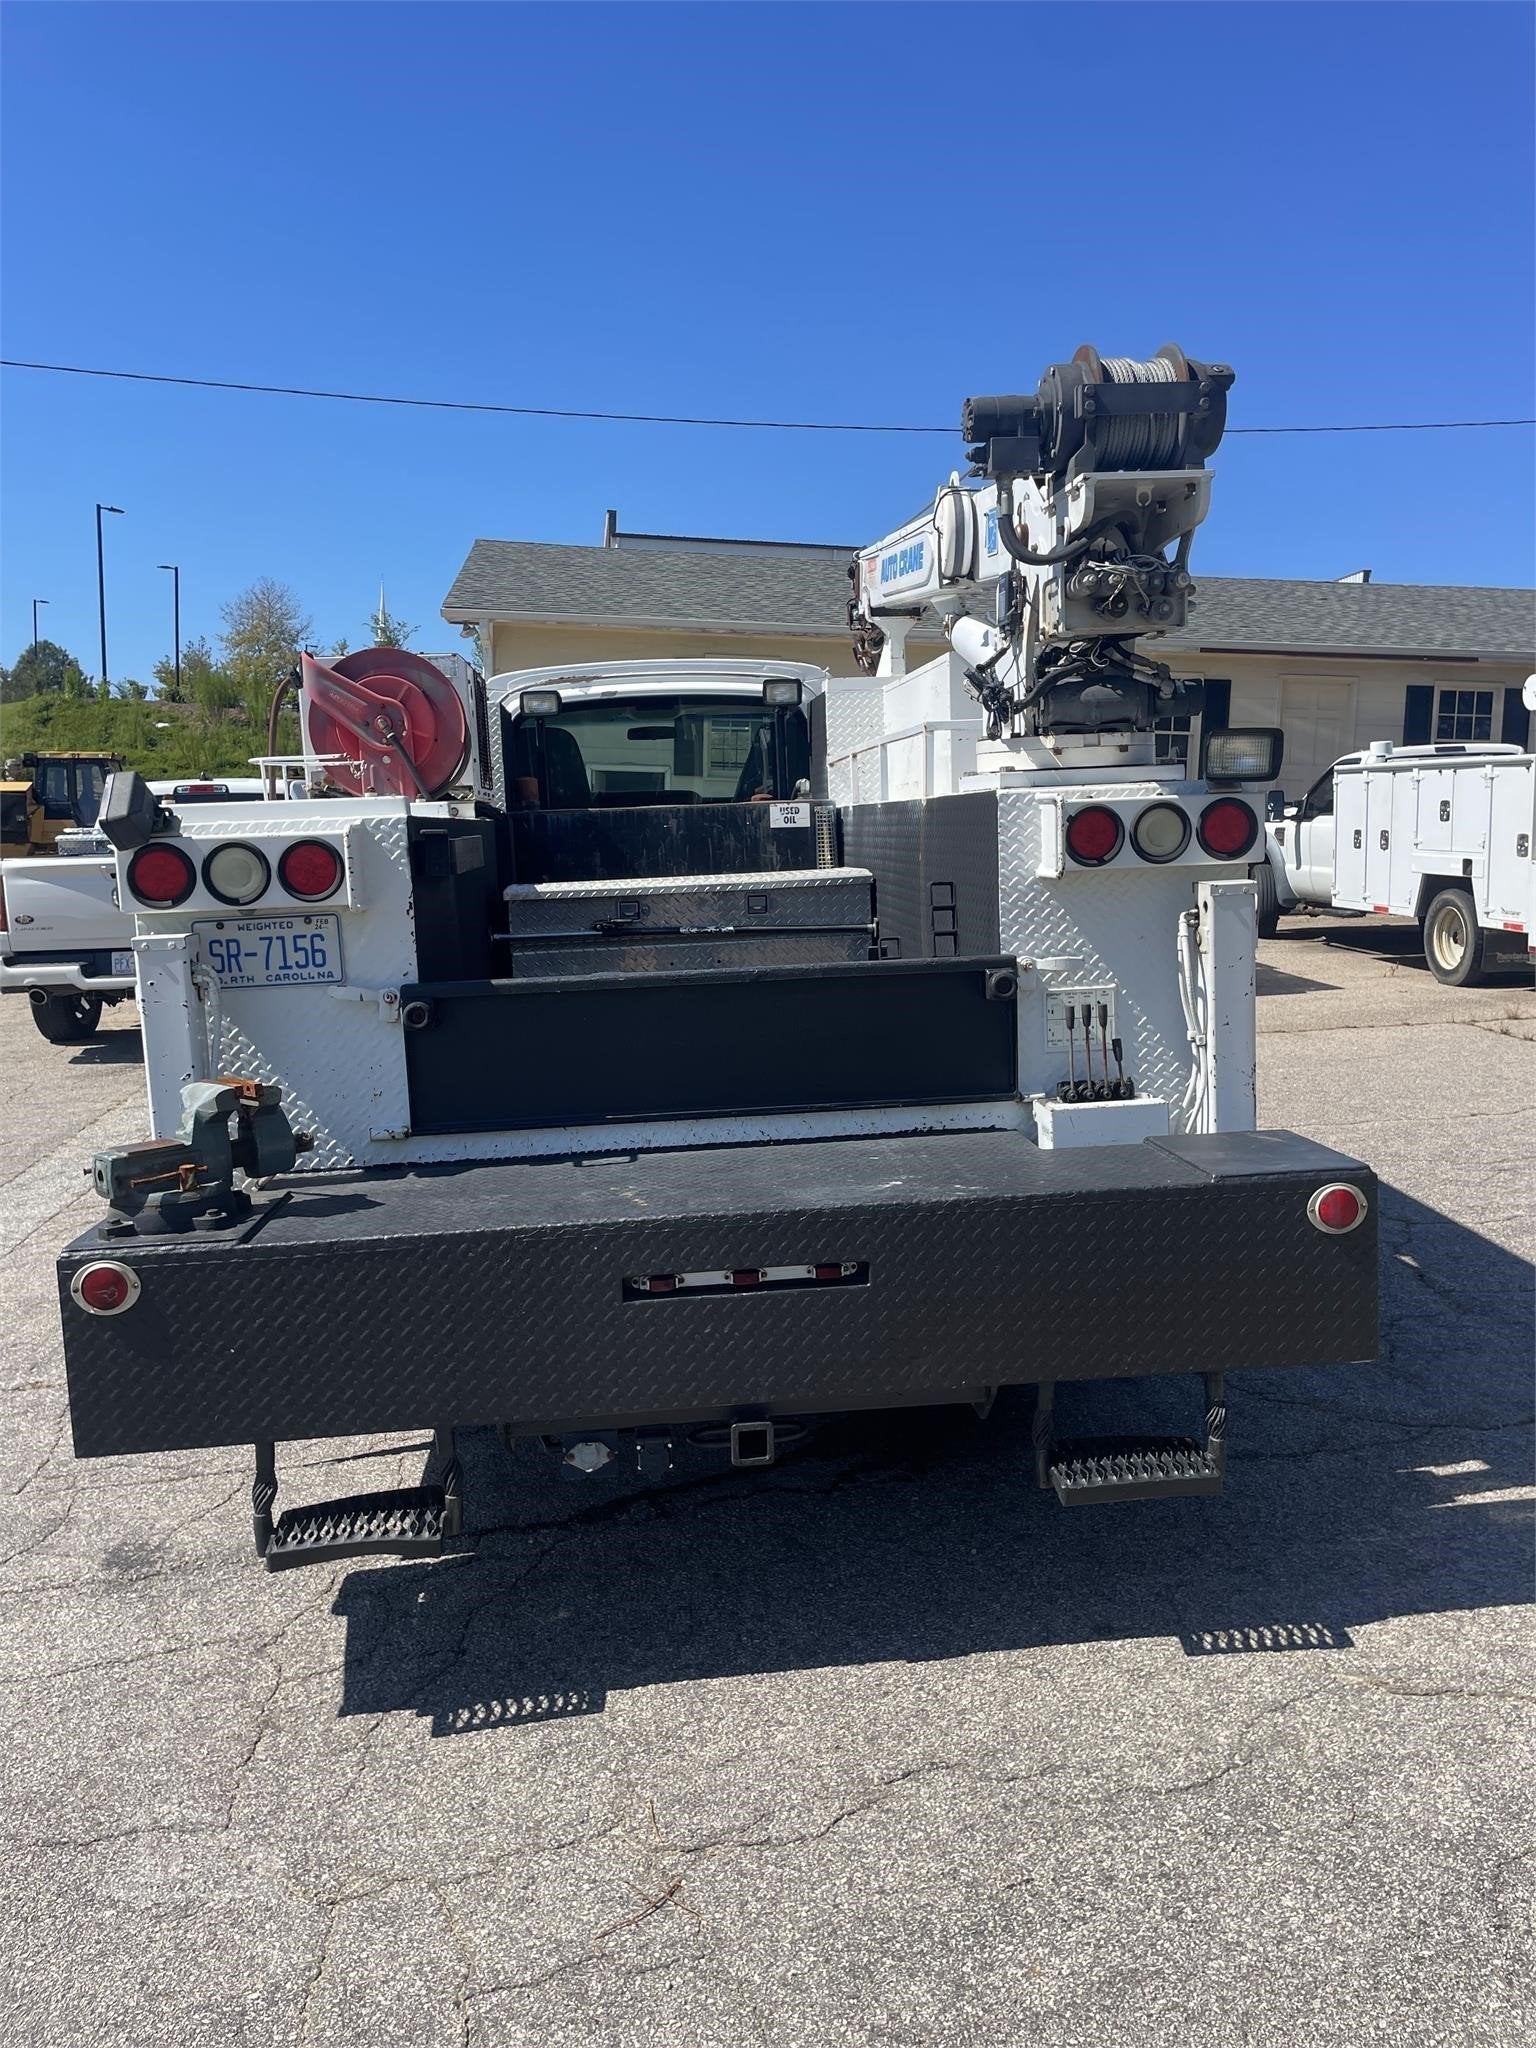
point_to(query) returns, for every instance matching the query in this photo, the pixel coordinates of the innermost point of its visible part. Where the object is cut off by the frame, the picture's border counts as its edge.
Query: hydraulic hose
(1026, 557)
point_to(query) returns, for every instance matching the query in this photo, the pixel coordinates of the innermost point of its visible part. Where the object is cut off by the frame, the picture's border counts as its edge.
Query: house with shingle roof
(1337, 665)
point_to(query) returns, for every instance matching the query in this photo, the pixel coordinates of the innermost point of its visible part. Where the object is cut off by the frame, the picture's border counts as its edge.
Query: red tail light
(311, 869)
(1337, 1209)
(1227, 828)
(161, 876)
(105, 1289)
(1094, 836)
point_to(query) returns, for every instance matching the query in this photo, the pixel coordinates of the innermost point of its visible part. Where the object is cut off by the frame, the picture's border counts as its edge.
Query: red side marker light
(310, 869)
(105, 1289)
(1094, 836)
(747, 1276)
(1337, 1209)
(161, 876)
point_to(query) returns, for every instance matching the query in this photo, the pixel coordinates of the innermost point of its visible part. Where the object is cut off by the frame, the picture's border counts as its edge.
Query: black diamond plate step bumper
(508, 1292)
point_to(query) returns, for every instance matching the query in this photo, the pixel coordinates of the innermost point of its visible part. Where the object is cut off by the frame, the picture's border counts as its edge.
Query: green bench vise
(188, 1182)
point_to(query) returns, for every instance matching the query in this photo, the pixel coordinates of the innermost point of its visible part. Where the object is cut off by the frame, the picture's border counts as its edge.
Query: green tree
(135, 692)
(45, 670)
(197, 669)
(264, 628)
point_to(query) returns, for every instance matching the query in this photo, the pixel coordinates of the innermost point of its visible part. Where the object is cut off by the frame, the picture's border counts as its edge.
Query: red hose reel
(396, 723)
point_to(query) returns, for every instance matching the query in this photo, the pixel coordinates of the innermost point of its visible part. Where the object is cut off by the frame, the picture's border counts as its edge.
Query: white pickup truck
(64, 942)
(1443, 834)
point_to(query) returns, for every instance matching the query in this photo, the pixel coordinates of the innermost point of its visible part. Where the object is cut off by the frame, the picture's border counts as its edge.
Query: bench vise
(186, 1182)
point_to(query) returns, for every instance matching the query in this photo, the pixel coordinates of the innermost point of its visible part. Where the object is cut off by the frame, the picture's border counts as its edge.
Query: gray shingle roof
(535, 580)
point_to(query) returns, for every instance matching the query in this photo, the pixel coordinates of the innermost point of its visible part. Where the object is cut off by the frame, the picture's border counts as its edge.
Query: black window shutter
(1515, 730)
(1218, 706)
(1418, 714)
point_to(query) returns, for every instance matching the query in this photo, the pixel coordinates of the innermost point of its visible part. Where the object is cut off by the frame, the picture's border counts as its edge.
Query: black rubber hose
(1064, 553)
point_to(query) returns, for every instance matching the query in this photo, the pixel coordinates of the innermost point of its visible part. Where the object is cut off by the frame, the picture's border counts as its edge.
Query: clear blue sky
(821, 212)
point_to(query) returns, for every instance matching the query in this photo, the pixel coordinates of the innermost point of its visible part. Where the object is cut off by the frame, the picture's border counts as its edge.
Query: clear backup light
(539, 703)
(1161, 832)
(161, 876)
(236, 874)
(783, 690)
(310, 869)
(1242, 754)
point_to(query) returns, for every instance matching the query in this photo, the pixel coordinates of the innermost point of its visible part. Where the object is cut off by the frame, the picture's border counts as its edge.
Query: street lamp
(35, 603)
(176, 606)
(101, 585)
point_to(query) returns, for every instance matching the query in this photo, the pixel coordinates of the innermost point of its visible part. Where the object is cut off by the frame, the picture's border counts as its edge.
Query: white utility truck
(1443, 834)
(66, 943)
(762, 1046)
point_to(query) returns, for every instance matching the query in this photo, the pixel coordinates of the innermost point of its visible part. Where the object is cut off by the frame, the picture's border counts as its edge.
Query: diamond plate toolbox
(496, 1293)
(764, 920)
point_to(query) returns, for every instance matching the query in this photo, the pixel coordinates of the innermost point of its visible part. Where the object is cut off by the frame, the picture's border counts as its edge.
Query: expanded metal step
(1132, 1468)
(409, 1522)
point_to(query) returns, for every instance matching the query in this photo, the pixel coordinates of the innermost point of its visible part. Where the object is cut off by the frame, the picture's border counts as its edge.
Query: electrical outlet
(1056, 1001)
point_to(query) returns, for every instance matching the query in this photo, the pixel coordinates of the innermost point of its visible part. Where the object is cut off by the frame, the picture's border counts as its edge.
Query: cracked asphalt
(878, 1747)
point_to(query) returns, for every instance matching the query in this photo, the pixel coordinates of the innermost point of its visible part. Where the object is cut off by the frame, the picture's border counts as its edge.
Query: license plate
(122, 963)
(270, 952)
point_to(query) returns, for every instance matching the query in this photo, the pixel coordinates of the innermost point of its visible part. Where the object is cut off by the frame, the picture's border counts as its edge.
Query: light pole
(101, 585)
(176, 612)
(35, 603)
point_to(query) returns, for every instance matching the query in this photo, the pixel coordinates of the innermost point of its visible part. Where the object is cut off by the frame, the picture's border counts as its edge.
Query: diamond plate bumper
(495, 1293)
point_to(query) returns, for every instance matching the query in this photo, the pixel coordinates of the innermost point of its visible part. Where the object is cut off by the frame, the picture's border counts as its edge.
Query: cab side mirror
(1274, 804)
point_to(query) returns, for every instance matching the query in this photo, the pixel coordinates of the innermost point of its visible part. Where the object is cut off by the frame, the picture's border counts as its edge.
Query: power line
(660, 419)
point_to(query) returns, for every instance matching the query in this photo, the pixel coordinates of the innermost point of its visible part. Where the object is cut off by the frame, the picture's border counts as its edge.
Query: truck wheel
(1453, 939)
(65, 1017)
(1269, 901)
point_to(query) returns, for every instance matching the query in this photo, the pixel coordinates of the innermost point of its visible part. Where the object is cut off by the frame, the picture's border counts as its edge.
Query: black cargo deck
(502, 1292)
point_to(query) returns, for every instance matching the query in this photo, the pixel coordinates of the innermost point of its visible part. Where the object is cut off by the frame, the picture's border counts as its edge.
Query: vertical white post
(1227, 967)
(175, 1029)
(893, 655)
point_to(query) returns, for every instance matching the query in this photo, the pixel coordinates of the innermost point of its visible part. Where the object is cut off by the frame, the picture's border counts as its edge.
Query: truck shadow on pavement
(1353, 1495)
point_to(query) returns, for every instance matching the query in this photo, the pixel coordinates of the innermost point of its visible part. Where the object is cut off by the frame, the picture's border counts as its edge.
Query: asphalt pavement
(880, 1746)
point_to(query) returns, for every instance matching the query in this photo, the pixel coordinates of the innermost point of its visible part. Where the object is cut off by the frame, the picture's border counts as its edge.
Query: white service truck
(66, 942)
(1443, 834)
(765, 1045)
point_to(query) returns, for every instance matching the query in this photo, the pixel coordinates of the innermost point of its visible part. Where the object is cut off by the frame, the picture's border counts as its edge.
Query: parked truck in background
(1443, 834)
(66, 943)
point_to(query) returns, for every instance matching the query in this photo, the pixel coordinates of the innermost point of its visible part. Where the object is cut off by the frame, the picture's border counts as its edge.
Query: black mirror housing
(130, 811)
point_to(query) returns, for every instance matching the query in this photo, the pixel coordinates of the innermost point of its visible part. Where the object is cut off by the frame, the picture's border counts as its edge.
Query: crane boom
(1066, 541)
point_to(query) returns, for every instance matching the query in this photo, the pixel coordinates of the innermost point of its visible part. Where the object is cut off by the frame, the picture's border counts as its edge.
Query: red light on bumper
(1337, 1209)
(106, 1288)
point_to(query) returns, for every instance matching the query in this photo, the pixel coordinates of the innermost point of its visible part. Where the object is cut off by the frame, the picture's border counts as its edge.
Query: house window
(1172, 734)
(1464, 715)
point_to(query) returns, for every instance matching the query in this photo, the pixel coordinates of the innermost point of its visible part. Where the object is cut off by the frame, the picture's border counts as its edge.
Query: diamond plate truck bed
(496, 1292)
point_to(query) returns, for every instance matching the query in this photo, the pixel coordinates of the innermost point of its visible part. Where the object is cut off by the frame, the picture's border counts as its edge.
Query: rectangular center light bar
(745, 1280)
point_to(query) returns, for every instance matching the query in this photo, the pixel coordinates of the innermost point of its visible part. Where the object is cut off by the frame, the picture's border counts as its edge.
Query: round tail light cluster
(1160, 832)
(1337, 1209)
(310, 869)
(161, 876)
(1228, 828)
